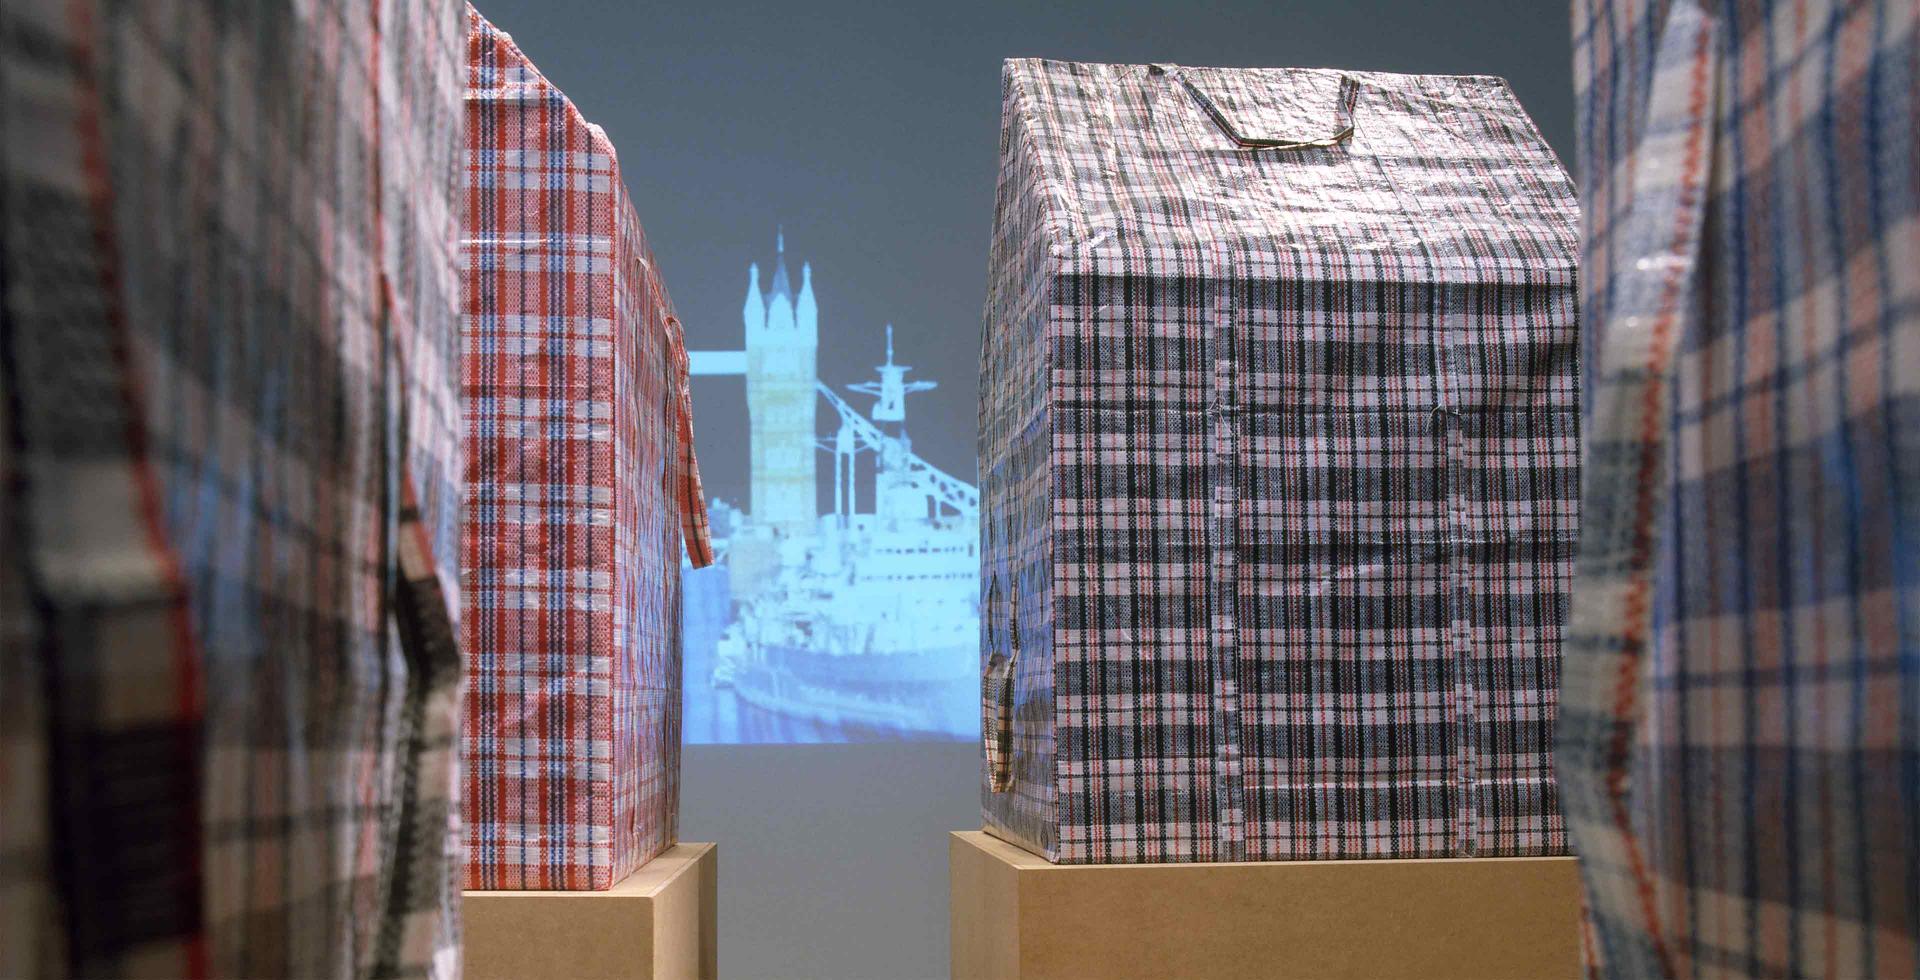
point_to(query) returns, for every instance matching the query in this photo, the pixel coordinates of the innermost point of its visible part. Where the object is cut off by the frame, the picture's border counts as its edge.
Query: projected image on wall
(844, 623)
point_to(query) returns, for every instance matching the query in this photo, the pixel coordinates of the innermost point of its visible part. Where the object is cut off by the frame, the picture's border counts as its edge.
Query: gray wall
(870, 131)
(833, 858)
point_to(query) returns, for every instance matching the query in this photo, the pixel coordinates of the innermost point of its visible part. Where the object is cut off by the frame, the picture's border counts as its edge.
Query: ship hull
(917, 694)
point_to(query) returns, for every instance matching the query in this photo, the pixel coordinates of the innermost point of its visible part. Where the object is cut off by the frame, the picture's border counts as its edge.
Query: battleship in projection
(857, 624)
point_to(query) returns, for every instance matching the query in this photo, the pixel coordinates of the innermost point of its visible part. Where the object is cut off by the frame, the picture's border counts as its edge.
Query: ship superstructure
(859, 622)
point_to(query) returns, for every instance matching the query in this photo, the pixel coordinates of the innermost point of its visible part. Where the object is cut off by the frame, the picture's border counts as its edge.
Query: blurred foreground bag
(1740, 729)
(229, 696)
(1278, 434)
(580, 486)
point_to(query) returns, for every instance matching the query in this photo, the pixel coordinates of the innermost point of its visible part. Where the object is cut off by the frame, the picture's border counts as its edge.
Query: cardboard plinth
(658, 924)
(1016, 917)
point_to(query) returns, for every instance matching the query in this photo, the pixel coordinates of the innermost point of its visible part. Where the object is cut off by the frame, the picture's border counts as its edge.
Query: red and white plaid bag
(580, 485)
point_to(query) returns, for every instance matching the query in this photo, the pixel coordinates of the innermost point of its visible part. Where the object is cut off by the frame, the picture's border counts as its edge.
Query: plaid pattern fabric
(581, 485)
(1280, 460)
(1740, 728)
(27, 895)
(227, 273)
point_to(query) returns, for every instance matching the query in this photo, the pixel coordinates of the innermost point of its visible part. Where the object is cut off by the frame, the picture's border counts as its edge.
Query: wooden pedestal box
(657, 924)
(1017, 917)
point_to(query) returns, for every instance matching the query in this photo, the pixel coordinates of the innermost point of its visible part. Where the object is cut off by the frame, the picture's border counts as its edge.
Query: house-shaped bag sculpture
(581, 485)
(1278, 435)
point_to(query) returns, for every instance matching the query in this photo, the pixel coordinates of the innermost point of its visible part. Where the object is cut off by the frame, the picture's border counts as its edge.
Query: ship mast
(905, 487)
(890, 406)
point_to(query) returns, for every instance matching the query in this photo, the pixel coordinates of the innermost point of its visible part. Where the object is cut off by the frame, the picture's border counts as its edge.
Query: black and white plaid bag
(1279, 401)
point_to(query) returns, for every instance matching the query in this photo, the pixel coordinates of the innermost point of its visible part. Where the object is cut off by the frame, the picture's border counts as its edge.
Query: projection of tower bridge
(852, 625)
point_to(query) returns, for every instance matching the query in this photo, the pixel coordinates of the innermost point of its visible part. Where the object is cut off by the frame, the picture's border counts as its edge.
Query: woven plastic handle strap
(695, 524)
(1343, 118)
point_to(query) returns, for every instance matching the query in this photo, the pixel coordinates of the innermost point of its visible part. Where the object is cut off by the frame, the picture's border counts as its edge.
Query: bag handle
(996, 694)
(696, 531)
(1343, 115)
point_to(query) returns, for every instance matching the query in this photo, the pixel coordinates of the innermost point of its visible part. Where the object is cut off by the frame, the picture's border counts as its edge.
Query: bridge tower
(782, 345)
